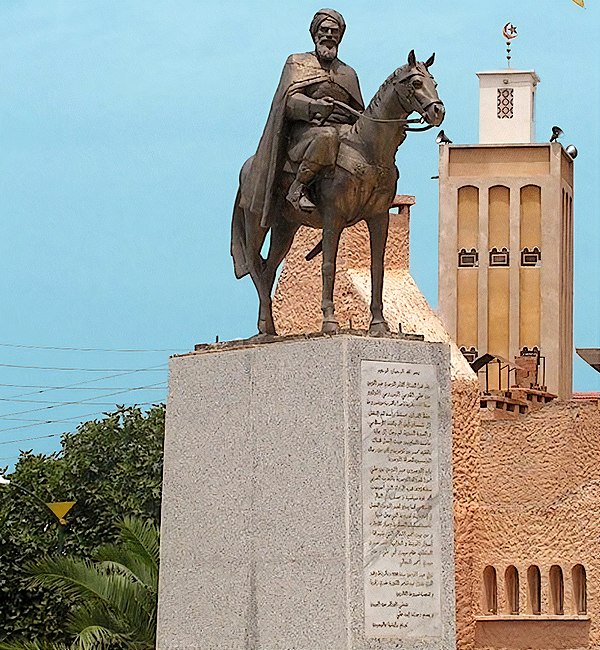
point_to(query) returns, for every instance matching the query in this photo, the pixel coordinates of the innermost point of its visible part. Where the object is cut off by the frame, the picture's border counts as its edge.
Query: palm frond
(127, 563)
(97, 613)
(114, 600)
(80, 580)
(76, 578)
(96, 637)
(141, 537)
(25, 644)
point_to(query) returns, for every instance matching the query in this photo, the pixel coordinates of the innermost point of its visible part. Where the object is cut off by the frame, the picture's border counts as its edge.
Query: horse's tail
(238, 239)
(314, 252)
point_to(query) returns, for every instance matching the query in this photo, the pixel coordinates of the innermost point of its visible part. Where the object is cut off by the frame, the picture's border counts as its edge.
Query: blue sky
(123, 127)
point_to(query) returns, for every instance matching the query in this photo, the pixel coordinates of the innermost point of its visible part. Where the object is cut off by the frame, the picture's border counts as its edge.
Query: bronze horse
(363, 188)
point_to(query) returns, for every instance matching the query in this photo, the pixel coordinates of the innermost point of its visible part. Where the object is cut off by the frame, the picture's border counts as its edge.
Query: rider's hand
(321, 108)
(341, 116)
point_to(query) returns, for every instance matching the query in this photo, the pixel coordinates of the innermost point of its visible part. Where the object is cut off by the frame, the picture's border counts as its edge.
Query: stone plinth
(307, 500)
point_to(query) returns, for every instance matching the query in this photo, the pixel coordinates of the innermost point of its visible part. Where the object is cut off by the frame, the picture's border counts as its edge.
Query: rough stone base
(262, 531)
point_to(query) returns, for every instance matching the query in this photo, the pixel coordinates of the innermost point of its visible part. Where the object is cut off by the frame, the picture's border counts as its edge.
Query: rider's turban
(324, 14)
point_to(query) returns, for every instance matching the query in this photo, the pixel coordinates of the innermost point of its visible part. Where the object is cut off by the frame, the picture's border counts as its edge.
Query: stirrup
(298, 198)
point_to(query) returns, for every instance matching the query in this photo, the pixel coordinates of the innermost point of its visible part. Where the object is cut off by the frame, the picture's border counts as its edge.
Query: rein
(398, 120)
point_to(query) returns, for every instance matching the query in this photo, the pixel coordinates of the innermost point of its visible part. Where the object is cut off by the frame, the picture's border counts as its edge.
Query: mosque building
(526, 450)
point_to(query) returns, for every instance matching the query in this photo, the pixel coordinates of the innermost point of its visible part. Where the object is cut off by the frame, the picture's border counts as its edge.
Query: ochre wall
(467, 280)
(486, 161)
(465, 476)
(297, 299)
(526, 491)
(530, 235)
(539, 504)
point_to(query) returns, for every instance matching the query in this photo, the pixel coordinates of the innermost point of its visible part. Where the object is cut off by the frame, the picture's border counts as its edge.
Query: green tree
(114, 598)
(112, 468)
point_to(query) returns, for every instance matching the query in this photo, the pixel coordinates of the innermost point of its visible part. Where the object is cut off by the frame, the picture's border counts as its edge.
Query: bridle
(419, 120)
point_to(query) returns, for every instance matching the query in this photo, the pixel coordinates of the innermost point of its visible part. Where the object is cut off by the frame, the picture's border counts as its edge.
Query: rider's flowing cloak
(300, 71)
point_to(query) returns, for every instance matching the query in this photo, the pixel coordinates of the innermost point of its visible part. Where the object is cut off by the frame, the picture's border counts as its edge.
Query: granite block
(262, 542)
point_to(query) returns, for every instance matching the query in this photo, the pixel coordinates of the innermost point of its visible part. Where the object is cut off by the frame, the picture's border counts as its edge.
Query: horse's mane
(399, 72)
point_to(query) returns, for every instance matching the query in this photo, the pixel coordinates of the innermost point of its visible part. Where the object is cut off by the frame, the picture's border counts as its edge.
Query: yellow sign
(60, 509)
(579, 2)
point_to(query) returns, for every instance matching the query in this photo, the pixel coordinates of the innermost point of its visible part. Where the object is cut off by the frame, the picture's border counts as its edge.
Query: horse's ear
(412, 59)
(430, 61)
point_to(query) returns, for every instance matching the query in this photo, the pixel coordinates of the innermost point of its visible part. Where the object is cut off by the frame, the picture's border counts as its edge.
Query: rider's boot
(297, 194)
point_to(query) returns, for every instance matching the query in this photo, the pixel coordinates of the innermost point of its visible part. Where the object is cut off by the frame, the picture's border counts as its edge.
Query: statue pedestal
(307, 497)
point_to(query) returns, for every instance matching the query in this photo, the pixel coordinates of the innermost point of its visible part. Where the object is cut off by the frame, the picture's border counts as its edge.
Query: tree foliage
(114, 598)
(112, 468)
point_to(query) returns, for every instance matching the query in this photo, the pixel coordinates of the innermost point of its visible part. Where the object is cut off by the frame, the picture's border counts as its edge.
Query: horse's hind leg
(378, 232)
(282, 236)
(331, 241)
(256, 268)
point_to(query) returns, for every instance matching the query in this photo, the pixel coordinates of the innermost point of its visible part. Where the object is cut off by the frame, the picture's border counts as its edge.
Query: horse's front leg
(331, 240)
(378, 232)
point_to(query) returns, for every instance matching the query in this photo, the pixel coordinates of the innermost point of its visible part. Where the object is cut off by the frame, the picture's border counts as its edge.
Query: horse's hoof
(330, 327)
(379, 329)
(265, 329)
(262, 336)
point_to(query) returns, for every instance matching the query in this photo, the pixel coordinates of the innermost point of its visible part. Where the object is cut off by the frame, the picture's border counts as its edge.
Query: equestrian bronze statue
(326, 162)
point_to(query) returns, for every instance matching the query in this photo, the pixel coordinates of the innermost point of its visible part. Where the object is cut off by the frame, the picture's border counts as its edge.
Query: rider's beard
(327, 50)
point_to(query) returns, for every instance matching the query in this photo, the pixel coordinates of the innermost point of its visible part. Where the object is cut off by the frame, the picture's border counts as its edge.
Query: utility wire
(162, 386)
(52, 435)
(46, 387)
(92, 404)
(91, 381)
(75, 419)
(13, 365)
(25, 426)
(71, 349)
(62, 404)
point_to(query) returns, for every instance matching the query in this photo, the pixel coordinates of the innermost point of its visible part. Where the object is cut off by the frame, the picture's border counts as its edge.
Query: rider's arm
(306, 109)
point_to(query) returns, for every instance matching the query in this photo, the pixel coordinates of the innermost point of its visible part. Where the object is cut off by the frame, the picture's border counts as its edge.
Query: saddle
(348, 158)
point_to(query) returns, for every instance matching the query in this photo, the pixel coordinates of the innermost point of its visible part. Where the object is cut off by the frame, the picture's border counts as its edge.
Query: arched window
(579, 589)
(557, 590)
(534, 589)
(511, 586)
(490, 594)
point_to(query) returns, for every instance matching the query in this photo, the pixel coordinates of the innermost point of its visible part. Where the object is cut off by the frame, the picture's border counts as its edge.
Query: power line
(46, 387)
(13, 365)
(80, 419)
(82, 401)
(91, 381)
(74, 419)
(160, 386)
(10, 419)
(73, 349)
(52, 435)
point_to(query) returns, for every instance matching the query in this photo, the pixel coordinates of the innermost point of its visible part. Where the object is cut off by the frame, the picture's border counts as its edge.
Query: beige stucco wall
(466, 433)
(296, 308)
(521, 126)
(539, 504)
(501, 323)
(526, 491)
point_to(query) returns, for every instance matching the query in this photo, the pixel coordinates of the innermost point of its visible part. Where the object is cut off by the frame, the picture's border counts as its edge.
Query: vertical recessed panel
(499, 217)
(531, 217)
(498, 322)
(529, 307)
(498, 281)
(468, 217)
(466, 307)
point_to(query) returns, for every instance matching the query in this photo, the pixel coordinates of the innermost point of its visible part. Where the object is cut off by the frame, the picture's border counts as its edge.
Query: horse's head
(416, 90)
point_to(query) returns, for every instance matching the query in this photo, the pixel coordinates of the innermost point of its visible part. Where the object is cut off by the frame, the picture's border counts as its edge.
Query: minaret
(506, 237)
